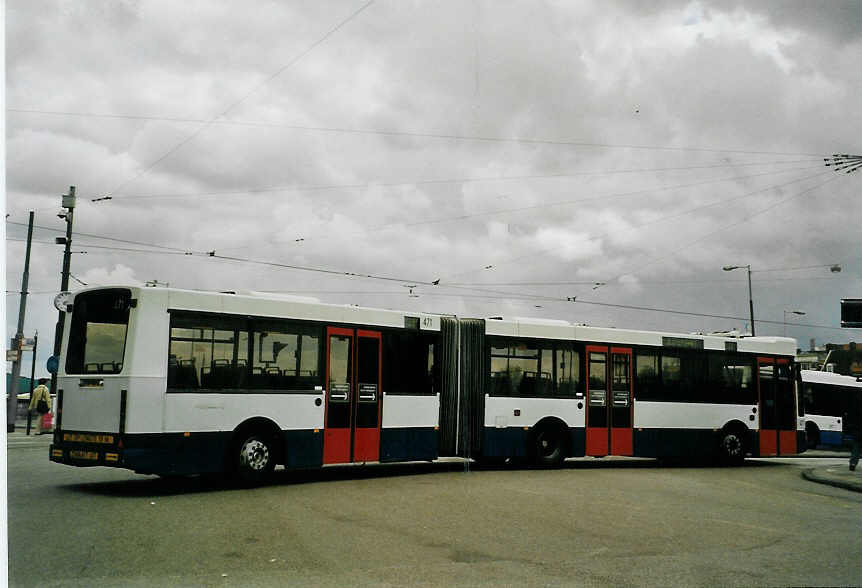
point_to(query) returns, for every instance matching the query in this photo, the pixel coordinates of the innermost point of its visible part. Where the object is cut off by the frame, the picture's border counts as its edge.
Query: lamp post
(728, 268)
(786, 312)
(67, 215)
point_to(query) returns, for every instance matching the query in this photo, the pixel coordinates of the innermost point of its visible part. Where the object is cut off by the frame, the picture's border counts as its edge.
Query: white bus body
(171, 382)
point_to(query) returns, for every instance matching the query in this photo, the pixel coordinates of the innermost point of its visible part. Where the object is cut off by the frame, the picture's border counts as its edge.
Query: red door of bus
(609, 401)
(777, 409)
(352, 420)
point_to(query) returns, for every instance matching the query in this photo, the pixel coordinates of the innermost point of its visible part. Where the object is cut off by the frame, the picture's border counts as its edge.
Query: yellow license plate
(87, 438)
(88, 455)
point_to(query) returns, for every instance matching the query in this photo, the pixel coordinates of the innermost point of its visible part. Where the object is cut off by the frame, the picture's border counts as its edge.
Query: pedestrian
(40, 403)
(853, 426)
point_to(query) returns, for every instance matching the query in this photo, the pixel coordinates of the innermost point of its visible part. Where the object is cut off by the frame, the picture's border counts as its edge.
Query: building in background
(844, 359)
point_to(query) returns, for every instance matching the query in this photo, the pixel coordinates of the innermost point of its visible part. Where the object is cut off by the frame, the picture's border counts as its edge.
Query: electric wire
(442, 181)
(80, 234)
(242, 99)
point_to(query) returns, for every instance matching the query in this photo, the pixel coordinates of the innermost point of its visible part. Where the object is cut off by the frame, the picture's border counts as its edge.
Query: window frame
(557, 347)
(186, 319)
(697, 383)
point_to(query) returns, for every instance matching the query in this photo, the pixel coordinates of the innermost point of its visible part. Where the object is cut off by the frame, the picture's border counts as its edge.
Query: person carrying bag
(40, 405)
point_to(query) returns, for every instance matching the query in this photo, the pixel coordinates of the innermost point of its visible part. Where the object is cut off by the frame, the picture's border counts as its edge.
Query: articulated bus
(173, 382)
(826, 398)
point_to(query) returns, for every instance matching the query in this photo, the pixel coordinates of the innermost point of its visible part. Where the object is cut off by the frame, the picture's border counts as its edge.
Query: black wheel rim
(732, 445)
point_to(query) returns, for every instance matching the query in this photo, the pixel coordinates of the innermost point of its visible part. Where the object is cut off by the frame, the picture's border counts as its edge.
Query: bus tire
(731, 446)
(812, 435)
(547, 447)
(254, 458)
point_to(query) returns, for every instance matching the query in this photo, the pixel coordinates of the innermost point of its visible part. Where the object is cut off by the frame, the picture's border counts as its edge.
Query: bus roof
(818, 377)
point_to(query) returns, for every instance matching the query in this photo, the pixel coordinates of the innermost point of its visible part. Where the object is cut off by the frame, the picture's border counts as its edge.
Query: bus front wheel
(254, 459)
(812, 435)
(548, 446)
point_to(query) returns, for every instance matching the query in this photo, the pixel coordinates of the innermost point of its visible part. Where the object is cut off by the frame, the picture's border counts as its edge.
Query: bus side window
(647, 377)
(671, 378)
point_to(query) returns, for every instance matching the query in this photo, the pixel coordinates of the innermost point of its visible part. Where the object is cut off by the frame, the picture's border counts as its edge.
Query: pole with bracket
(12, 403)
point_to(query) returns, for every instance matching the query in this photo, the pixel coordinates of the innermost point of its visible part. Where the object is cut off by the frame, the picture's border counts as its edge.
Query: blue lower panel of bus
(513, 442)
(175, 453)
(674, 442)
(205, 452)
(683, 442)
(303, 448)
(831, 438)
(408, 444)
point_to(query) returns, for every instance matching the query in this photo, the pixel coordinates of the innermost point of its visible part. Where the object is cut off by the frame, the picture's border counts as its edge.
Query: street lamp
(786, 312)
(728, 268)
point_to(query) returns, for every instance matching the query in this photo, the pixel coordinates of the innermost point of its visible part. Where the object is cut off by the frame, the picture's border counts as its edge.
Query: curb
(812, 475)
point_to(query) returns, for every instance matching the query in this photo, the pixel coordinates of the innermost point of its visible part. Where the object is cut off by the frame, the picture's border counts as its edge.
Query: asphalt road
(594, 522)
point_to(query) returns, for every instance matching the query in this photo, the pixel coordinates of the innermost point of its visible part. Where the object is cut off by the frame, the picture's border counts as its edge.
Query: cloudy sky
(519, 153)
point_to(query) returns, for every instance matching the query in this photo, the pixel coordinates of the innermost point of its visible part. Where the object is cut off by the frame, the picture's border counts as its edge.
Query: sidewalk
(837, 475)
(20, 433)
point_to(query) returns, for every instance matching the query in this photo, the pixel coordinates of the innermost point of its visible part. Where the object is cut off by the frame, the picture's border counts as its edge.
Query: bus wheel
(255, 459)
(812, 435)
(731, 447)
(547, 447)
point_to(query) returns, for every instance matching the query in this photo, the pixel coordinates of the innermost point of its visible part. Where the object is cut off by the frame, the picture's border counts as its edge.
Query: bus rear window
(97, 338)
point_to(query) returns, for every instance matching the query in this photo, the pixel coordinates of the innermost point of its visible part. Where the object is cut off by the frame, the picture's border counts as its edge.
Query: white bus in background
(826, 396)
(166, 381)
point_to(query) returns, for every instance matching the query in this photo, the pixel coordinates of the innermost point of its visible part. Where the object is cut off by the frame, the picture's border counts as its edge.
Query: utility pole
(750, 301)
(69, 205)
(12, 403)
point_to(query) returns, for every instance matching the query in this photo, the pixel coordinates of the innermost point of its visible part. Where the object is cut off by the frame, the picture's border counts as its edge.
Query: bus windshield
(97, 338)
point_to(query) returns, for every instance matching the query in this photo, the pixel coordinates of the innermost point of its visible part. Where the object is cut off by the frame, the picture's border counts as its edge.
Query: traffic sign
(12, 354)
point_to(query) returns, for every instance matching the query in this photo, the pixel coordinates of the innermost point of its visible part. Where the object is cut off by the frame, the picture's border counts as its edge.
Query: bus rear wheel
(731, 448)
(254, 459)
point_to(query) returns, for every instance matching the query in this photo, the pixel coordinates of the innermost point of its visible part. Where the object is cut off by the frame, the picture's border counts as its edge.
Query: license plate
(88, 455)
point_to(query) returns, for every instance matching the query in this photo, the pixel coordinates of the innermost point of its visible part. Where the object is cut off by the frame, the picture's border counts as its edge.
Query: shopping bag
(47, 421)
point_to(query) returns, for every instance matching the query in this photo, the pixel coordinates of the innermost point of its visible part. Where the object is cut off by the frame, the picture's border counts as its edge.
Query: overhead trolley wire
(80, 234)
(475, 292)
(419, 134)
(748, 218)
(324, 270)
(426, 182)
